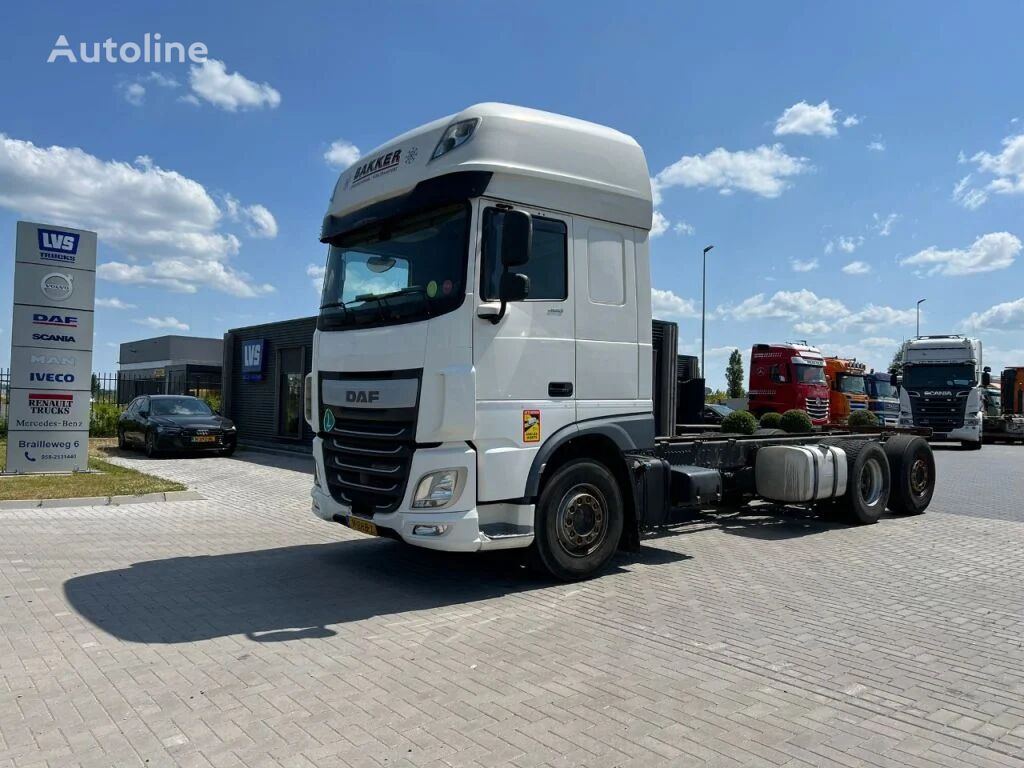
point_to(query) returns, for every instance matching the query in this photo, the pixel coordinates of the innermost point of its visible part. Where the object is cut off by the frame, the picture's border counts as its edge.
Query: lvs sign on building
(51, 349)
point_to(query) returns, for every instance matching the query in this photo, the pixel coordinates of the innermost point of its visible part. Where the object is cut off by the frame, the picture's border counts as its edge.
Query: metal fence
(121, 387)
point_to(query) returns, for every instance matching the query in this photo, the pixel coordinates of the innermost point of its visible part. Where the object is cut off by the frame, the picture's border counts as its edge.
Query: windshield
(850, 384)
(808, 374)
(179, 406)
(401, 271)
(881, 388)
(915, 376)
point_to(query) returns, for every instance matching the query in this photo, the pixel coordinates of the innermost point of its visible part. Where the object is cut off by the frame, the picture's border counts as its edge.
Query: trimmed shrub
(796, 422)
(212, 399)
(770, 420)
(739, 422)
(103, 420)
(862, 419)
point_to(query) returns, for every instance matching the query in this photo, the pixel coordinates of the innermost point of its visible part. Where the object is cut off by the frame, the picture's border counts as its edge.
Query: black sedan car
(159, 423)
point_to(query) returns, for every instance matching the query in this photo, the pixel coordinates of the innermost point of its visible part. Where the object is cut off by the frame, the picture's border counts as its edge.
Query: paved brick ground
(241, 631)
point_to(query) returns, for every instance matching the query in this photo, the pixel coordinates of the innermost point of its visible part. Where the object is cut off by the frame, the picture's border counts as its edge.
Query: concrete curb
(101, 501)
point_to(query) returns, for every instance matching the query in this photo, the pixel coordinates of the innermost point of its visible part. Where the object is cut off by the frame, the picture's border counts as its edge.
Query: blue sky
(799, 139)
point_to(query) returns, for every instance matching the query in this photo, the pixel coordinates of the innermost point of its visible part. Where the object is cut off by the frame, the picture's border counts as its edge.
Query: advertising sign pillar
(51, 349)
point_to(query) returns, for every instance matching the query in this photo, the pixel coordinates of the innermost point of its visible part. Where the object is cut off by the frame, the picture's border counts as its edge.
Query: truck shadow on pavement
(298, 592)
(768, 522)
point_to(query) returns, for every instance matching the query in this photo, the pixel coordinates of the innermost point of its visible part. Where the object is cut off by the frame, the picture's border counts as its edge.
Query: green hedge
(770, 420)
(862, 419)
(103, 419)
(796, 421)
(739, 422)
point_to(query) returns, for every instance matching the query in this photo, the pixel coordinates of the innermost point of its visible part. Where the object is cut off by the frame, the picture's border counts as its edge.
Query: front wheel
(122, 443)
(578, 521)
(151, 449)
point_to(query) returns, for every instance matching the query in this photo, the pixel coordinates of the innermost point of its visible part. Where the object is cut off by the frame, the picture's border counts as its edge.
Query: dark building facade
(169, 365)
(264, 372)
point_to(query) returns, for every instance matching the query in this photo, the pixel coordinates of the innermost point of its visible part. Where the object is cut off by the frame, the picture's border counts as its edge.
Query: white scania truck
(943, 387)
(486, 374)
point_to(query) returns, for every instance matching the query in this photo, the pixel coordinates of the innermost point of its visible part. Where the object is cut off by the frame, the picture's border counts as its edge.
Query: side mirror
(514, 286)
(986, 378)
(893, 381)
(516, 238)
(144, 413)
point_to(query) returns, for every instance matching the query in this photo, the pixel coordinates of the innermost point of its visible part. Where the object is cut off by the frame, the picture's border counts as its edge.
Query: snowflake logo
(410, 156)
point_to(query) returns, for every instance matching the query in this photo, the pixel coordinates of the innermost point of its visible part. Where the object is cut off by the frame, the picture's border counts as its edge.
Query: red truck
(787, 376)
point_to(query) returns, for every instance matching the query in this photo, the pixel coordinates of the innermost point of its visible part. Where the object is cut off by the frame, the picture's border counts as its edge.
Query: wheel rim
(920, 477)
(581, 524)
(871, 482)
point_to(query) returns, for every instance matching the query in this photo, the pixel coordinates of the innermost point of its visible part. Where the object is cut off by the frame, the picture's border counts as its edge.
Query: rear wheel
(578, 521)
(867, 481)
(122, 443)
(912, 466)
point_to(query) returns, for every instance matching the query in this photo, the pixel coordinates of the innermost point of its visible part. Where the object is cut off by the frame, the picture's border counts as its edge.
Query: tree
(734, 375)
(896, 366)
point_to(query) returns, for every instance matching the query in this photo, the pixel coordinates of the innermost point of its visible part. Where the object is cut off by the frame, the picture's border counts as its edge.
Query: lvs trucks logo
(55, 245)
(377, 166)
(56, 286)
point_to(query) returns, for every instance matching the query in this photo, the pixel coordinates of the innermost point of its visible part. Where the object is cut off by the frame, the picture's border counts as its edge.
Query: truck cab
(943, 387)
(883, 400)
(848, 390)
(788, 376)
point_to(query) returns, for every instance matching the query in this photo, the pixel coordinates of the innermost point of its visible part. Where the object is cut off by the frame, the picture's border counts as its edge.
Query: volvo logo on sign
(57, 286)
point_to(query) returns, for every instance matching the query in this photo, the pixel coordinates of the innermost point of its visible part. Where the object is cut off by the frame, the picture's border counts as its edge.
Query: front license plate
(204, 439)
(363, 526)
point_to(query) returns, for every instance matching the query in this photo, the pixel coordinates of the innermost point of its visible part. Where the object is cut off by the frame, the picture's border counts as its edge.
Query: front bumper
(968, 434)
(184, 442)
(462, 527)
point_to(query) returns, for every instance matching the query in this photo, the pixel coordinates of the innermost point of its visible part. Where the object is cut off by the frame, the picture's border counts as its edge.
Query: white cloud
(259, 222)
(682, 228)
(341, 154)
(163, 323)
(857, 268)
(189, 98)
(763, 171)
(991, 252)
(808, 265)
(1008, 315)
(667, 305)
(851, 120)
(969, 197)
(315, 273)
(134, 93)
(883, 224)
(877, 145)
(804, 307)
(114, 303)
(164, 81)
(1007, 166)
(808, 120)
(829, 247)
(232, 91)
(167, 224)
(812, 329)
(849, 244)
(659, 224)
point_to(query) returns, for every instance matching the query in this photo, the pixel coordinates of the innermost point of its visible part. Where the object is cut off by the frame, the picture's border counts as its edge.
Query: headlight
(455, 135)
(437, 489)
(163, 429)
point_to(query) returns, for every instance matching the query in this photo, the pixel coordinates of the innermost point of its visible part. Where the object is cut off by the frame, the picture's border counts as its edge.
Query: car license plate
(204, 439)
(363, 526)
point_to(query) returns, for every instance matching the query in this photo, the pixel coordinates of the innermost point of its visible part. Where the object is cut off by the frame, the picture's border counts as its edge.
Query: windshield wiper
(381, 298)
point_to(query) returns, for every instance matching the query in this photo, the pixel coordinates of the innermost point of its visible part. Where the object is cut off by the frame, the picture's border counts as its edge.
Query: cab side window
(778, 375)
(548, 268)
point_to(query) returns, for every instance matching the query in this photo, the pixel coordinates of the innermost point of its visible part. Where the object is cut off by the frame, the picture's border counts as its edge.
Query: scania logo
(53, 337)
(362, 396)
(56, 286)
(938, 393)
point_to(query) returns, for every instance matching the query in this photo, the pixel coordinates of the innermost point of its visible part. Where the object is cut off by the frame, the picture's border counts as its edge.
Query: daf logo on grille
(362, 396)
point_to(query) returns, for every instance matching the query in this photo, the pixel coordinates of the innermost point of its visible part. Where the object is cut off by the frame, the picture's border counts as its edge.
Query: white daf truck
(486, 373)
(943, 388)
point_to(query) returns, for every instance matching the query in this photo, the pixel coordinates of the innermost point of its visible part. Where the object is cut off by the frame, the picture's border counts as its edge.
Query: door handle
(560, 389)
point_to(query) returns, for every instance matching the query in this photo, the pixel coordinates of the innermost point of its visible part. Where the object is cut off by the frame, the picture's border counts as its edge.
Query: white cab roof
(537, 158)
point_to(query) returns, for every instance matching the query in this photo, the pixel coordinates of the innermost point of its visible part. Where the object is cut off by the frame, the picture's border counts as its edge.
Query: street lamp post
(703, 313)
(919, 303)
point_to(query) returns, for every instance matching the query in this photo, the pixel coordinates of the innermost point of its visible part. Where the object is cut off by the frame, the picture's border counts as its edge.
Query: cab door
(525, 362)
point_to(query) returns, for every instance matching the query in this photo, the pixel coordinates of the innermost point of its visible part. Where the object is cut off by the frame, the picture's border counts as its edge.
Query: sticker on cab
(531, 426)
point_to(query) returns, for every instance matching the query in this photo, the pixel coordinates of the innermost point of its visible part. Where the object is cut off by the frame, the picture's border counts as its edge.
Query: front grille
(941, 414)
(858, 405)
(817, 408)
(367, 462)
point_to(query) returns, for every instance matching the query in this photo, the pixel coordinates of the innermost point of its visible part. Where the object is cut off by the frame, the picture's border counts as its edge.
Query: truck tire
(578, 521)
(912, 468)
(867, 481)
